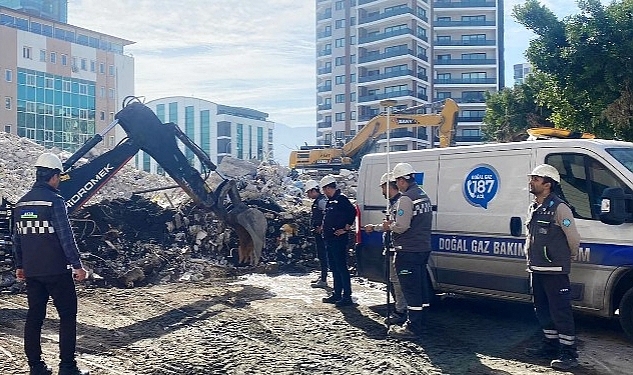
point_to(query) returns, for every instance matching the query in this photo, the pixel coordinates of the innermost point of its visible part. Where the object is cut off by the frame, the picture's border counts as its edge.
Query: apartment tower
(415, 52)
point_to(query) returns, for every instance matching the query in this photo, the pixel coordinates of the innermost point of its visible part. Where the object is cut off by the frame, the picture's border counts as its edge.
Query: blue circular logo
(481, 185)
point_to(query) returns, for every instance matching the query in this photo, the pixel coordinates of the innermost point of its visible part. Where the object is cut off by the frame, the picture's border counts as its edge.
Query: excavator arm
(329, 157)
(377, 126)
(146, 132)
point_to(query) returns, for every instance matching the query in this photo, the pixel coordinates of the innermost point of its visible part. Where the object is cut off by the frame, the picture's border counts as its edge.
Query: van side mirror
(615, 206)
(516, 226)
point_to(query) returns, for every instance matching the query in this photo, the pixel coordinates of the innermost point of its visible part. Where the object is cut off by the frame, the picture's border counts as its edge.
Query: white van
(480, 196)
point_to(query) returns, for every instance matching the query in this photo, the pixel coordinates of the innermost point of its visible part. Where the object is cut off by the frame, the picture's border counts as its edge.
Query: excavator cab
(147, 133)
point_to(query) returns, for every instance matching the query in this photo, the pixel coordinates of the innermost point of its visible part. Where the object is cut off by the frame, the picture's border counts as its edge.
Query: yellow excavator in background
(328, 157)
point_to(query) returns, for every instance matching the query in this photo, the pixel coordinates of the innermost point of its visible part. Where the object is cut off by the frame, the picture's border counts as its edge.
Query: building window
(443, 95)
(339, 98)
(27, 52)
(102, 116)
(7, 128)
(111, 93)
(93, 66)
(340, 42)
(339, 116)
(352, 77)
(43, 55)
(339, 5)
(352, 97)
(339, 80)
(49, 82)
(352, 40)
(352, 59)
(8, 75)
(64, 60)
(101, 68)
(53, 58)
(352, 115)
(84, 64)
(7, 102)
(111, 70)
(474, 56)
(338, 61)
(102, 92)
(339, 24)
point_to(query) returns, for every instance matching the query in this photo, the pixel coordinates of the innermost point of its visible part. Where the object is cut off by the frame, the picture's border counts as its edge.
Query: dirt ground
(258, 324)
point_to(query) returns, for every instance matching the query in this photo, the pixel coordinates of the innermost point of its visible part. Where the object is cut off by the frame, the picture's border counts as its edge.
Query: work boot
(548, 349)
(40, 369)
(72, 370)
(319, 284)
(566, 359)
(396, 317)
(331, 299)
(402, 333)
(345, 301)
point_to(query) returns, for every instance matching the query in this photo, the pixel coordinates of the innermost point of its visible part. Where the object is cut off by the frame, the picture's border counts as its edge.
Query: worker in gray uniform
(410, 225)
(390, 191)
(552, 240)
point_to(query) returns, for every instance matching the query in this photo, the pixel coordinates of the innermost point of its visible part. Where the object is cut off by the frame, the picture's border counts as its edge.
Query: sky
(258, 54)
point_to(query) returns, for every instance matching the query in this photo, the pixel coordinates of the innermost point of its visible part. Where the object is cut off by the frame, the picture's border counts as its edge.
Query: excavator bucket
(250, 225)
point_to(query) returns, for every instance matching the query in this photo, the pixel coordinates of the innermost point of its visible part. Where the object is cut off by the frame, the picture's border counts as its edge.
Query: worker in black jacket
(47, 258)
(552, 240)
(337, 222)
(319, 202)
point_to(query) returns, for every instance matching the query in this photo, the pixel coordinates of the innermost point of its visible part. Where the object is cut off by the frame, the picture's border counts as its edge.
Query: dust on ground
(259, 324)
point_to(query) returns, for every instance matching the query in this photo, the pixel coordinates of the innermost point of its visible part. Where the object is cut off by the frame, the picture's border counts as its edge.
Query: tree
(511, 111)
(589, 58)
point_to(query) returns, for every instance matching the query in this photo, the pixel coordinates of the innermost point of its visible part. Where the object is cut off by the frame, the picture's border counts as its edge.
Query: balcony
(377, 77)
(465, 42)
(324, 34)
(325, 88)
(463, 23)
(466, 62)
(394, 94)
(327, 70)
(324, 124)
(470, 119)
(375, 56)
(324, 52)
(324, 16)
(390, 13)
(468, 139)
(324, 107)
(464, 4)
(466, 81)
(389, 34)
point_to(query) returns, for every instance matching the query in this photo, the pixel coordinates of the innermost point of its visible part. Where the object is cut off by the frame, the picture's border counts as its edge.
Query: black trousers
(322, 256)
(38, 290)
(414, 281)
(337, 255)
(552, 304)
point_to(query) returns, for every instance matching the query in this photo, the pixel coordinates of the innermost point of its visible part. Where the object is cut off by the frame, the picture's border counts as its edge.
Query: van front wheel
(626, 313)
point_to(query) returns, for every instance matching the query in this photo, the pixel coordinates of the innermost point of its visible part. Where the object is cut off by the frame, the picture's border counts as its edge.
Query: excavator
(147, 133)
(324, 157)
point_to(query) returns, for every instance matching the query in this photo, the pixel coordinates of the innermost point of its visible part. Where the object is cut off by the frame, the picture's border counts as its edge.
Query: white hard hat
(49, 160)
(327, 180)
(386, 177)
(309, 185)
(402, 169)
(546, 170)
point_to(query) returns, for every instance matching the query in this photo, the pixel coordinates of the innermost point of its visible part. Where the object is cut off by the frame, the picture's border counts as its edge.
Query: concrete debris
(129, 239)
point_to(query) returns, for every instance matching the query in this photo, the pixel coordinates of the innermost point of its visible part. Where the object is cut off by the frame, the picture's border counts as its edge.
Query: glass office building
(60, 84)
(56, 10)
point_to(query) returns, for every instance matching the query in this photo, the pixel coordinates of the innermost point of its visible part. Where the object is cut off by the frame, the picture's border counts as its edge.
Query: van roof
(592, 144)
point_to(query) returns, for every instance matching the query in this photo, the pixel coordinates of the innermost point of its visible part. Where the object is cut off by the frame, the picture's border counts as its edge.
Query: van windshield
(624, 155)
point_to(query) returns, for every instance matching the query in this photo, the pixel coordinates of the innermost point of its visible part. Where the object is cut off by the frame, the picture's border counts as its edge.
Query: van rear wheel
(626, 313)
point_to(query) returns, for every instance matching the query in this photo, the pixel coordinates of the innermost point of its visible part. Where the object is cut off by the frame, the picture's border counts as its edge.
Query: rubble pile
(128, 238)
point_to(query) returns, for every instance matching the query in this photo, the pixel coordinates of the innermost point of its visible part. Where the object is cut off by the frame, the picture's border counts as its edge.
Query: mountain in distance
(287, 139)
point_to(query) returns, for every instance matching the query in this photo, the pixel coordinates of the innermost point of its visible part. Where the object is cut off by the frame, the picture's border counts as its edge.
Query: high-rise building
(60, 84)
(55, 10)
(219, 130)
(416, 52)
(521, 71)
